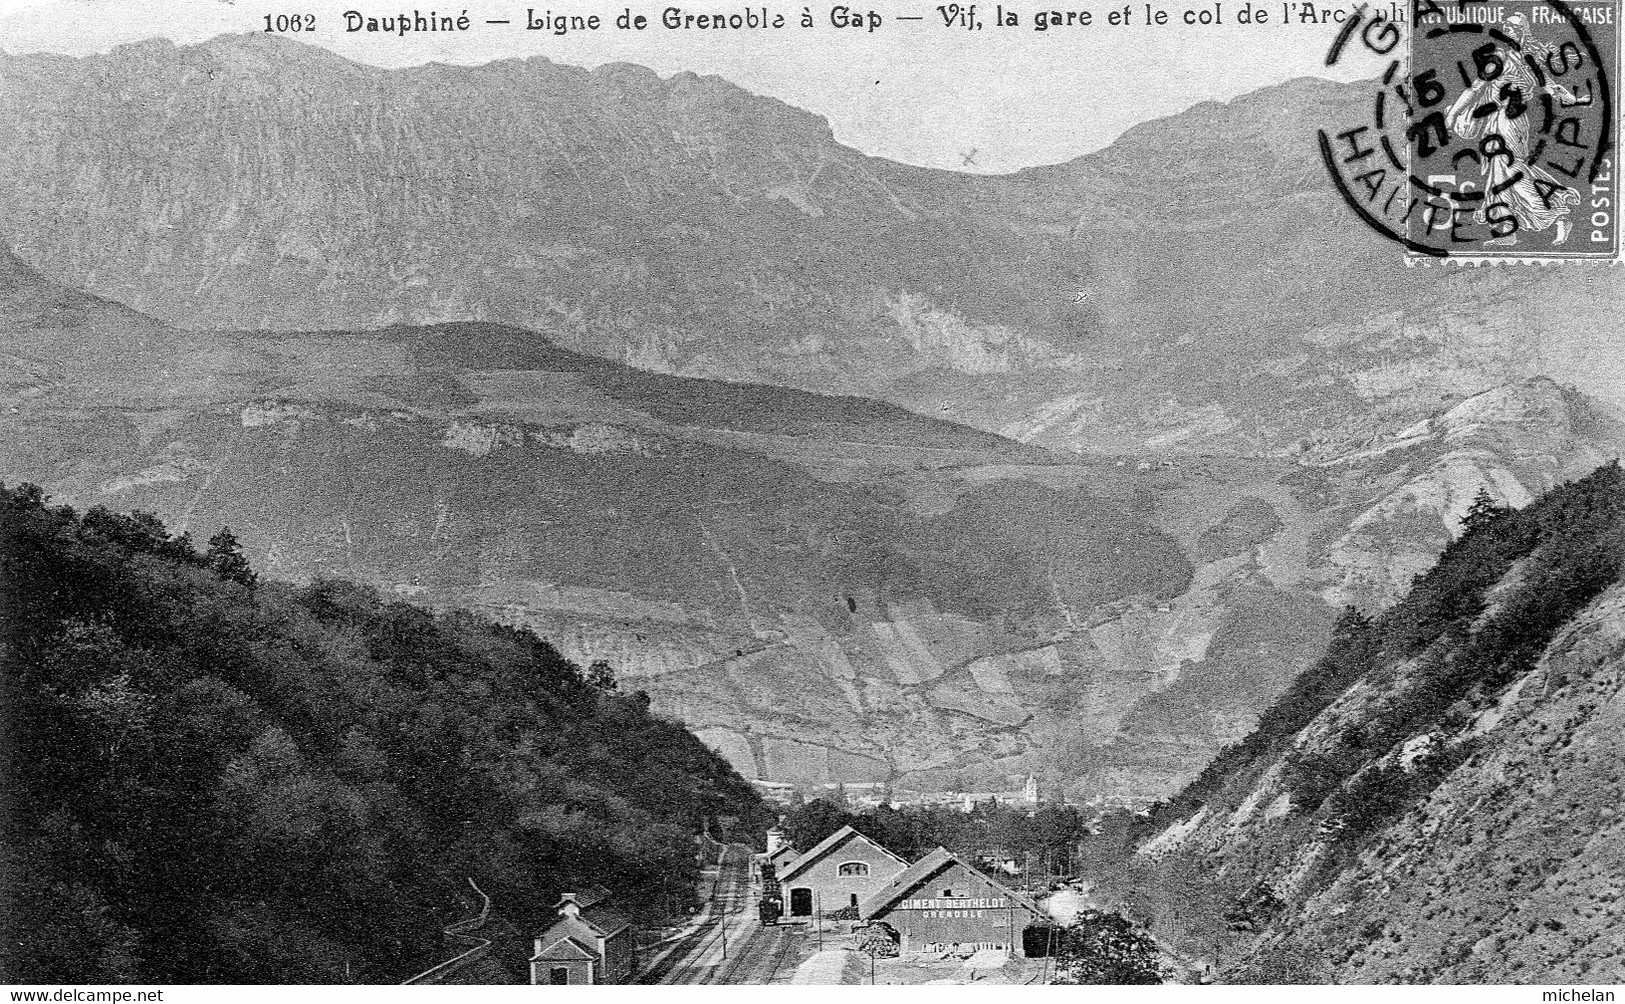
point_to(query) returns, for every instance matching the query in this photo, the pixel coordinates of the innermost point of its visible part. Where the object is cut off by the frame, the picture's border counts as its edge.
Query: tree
(602, 676)
(1483, 514)
(807, 824)
(1101, 947)
(226, 558)
(1056, 828)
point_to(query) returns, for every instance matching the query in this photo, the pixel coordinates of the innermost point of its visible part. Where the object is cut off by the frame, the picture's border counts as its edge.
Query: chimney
(569, 905)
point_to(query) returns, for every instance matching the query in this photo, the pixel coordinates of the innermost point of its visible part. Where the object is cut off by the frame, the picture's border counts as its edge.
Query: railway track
(764, 958)
(730, 898)
(752, 954)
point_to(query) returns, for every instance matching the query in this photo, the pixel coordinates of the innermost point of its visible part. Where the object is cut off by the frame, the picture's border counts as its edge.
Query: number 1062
(290, 22)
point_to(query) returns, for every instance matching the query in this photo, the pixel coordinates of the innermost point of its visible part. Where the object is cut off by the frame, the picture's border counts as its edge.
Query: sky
(989, 100)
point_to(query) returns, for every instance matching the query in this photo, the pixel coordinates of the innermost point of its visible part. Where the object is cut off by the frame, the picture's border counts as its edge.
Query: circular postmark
(1490, 132)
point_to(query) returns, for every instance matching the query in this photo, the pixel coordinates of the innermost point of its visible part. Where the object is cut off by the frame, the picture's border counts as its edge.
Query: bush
(1254, 909)
(1101, 947)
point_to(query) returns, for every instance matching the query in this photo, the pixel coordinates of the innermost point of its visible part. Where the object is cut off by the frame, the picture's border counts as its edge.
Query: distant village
(874, 794)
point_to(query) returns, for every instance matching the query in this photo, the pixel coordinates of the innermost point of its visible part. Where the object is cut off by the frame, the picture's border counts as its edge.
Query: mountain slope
(833, 556)
(829, 589)
(686, 226)
(1435, 800)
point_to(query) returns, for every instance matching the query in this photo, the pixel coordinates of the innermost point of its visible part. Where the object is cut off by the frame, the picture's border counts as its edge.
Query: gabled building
(780, 852)
(942, 904)
(781, 858)
(590, 942)
(843, 869)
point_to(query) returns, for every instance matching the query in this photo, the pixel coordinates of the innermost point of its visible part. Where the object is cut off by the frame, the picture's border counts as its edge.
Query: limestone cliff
(685, 225)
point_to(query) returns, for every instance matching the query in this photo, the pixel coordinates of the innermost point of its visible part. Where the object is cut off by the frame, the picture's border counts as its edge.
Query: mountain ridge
(1193, 288)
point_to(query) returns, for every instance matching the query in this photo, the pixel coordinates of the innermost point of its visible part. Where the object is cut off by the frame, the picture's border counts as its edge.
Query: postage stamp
(1490, 135)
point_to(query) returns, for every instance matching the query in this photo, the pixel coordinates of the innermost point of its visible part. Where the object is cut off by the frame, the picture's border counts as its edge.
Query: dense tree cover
(217, 779)
(914, 831)
(1102, 947)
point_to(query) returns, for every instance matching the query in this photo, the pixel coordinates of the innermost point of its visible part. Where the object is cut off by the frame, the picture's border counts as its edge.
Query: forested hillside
(216, 779)
(1437, 799)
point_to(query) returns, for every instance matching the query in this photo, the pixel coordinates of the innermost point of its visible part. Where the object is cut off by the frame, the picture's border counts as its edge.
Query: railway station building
(837, 874)
(942, 904)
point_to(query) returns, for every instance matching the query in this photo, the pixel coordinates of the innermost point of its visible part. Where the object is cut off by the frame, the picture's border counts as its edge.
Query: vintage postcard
(889, 494)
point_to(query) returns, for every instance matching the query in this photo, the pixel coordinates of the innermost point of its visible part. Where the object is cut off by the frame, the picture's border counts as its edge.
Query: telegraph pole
(1011, 936)
(1049, 950)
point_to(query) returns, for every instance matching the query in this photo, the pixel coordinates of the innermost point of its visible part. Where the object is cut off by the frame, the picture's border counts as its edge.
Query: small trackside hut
(590, 942)
(942, 904)
(836, 874)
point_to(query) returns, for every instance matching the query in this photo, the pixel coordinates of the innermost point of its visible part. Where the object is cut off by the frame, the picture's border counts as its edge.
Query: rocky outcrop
(1513, 442)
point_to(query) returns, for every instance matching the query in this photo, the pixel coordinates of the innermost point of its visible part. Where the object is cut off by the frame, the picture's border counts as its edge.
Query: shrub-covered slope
(214, 779)
(1437, 798)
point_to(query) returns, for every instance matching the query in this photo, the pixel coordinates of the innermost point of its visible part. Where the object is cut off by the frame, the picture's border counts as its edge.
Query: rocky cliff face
(686, 226)
(680, 225)
(1437, 800)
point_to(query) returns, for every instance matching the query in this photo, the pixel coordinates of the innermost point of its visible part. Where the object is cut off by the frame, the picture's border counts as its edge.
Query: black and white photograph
(890, 495)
